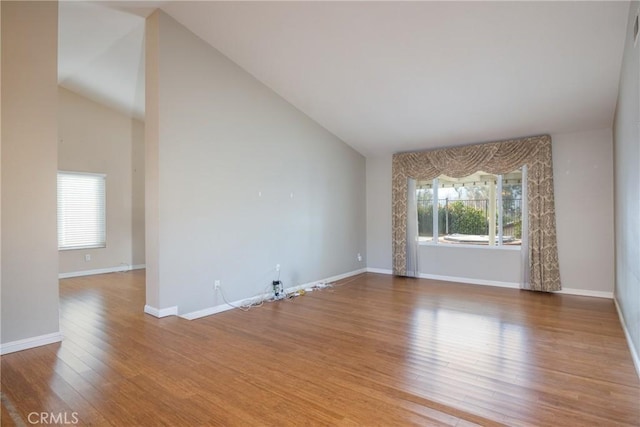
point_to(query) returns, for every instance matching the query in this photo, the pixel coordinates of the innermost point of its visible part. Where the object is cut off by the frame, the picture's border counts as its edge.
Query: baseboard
(161, 312)
(325, 281)
(224, 307)
(470, 281)
(338, 277)
(27, 343)
(379, 270)
(212, 310)
(512, 285)
(455, 279)
(585, 293)
(632, 349)
(117, 269)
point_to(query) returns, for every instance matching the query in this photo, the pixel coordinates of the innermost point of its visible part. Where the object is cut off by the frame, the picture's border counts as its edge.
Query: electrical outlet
(277, 267)
(359, 257)
(87, 257)
(216, 285)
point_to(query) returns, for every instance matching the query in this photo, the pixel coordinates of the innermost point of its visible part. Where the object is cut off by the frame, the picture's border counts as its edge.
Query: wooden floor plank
(373, 350)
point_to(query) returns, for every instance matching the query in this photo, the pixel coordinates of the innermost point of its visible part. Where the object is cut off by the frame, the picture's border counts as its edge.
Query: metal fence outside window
(469, 216)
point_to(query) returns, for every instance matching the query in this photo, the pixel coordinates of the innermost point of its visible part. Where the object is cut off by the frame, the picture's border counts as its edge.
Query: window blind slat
(81, 210)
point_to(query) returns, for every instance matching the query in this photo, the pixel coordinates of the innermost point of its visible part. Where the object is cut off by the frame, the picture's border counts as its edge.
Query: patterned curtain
(495, 158)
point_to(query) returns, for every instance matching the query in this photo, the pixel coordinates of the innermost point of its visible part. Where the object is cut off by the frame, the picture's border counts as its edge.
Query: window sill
(469, 246)
(81, 248)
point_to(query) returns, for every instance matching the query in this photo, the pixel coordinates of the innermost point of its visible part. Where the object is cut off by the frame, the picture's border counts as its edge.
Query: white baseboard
(471, 281)
(585, 293)
(465, 280)
(632, 349)
(117, 269)
(512, 285)
(325, 281)
(27, 343)
(224, 307)
(211, 310)
(379, 270)
(161, 312)
(339, 277)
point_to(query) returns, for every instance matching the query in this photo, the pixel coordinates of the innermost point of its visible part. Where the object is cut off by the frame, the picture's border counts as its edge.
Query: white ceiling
(101, 55)
(382, 76)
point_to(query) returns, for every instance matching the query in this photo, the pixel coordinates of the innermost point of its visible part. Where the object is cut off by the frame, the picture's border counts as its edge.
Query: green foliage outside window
(517, 229)
(462, 219)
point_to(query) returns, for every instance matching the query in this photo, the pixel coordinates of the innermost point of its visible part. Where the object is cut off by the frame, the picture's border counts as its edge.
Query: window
(81, 210)
(479, 209)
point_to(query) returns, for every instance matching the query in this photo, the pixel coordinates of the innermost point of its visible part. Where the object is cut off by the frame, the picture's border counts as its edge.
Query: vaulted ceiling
(382, 76)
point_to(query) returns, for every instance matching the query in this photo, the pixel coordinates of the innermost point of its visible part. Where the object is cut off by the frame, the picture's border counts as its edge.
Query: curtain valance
(457, 162)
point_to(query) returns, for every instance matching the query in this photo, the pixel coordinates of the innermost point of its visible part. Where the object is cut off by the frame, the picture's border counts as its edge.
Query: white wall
(379, 229)
(29, 162)
(473, 265)
(627, 187)
(97, 139)
(583, 179)
(244, 181)
(583, 214)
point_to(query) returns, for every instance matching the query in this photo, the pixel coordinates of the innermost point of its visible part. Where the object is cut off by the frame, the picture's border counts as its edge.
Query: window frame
(102, 242)
(434, 240)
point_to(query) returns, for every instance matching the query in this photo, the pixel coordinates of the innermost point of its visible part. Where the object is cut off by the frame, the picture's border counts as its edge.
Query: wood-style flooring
(376, 351)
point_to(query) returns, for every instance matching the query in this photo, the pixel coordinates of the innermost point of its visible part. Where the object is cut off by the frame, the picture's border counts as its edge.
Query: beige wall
(245, 181)
(0, 172)
(627, 188)
(152, 160)
(137, 193)
(29, 164)
(583, 178)
(94, 138)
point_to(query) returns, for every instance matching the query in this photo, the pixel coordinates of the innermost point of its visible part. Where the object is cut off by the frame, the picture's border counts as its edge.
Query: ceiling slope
(382, 76)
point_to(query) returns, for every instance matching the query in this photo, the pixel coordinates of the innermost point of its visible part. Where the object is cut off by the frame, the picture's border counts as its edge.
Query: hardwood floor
(378, 350)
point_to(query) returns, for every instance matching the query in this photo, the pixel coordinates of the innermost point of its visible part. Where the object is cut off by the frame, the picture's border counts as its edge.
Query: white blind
(81, 210)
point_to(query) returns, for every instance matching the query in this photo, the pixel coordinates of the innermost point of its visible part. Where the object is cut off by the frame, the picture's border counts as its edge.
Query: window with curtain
(541, 271)
(480, 209)
(81, 210)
